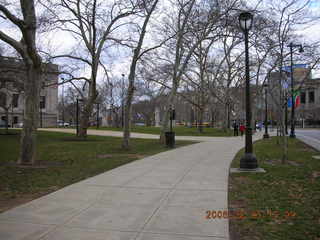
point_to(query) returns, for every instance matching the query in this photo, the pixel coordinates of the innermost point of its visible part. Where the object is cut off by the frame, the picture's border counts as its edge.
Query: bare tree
(25, 21)
(137, 53)
(93, 24)
(287, 16)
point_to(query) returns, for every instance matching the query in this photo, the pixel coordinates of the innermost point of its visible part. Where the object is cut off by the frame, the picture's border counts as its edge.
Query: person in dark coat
(235, 129)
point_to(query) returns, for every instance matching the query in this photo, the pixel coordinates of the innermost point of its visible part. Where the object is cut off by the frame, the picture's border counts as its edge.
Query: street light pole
(292, 134)
(286, 112)
(249, 160)
(98, 115)
(77, 116)
(291, 45)
(266, 134)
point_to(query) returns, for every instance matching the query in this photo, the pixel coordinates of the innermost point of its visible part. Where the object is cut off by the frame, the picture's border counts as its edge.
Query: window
(311, 97)
(303, 97)
(42, 102)
(3, 99)
(15, 100)
(15, 120)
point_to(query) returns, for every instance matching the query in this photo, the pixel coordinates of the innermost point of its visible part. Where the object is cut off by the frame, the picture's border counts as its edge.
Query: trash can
(170, 141)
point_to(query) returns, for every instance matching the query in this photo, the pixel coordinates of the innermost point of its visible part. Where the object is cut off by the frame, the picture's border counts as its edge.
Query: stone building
(309, 109)
(12, 75)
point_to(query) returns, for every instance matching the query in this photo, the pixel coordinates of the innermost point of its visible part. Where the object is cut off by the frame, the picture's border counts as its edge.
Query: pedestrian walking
(235, 129)
(242, 128)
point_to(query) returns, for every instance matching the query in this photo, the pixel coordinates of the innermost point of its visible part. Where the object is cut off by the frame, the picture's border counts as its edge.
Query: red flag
(297, 101)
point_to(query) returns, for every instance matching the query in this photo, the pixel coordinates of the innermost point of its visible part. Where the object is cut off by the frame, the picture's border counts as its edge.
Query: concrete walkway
(161, 197)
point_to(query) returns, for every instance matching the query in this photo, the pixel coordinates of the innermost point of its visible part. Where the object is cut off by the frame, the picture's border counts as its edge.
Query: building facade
(12, 76)
(308, 88)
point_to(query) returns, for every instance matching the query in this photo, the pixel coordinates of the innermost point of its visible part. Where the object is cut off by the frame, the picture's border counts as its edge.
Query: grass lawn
(179, 130)
(281, 204)
(65, 160)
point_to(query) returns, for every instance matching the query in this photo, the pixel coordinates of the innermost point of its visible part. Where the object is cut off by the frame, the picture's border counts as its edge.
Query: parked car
(20, 125)
(63, 124)
(2, 124)
(139, 124)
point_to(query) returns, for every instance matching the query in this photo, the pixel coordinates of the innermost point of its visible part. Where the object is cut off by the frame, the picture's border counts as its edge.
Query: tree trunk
(148, 122)
(225, 122)
(7, 120)
(88, 104)
(165, 121)
(228, 116)
(127, 112)
(85, 118)
(136, 57)
(31, 116)
(200, 126)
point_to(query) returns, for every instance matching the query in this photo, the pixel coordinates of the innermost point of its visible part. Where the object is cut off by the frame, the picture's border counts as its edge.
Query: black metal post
(171, 119)
(12, 116)
(286, 114)
(63, 119)
(249, 160)
(266, 134)
(77, 116)
(40, 117)
(292, 133)
(97, 115)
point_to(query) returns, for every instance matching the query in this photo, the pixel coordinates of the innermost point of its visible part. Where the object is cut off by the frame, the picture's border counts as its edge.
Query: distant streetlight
(291, 45)
(249, 160)
(266, 135)
(98, 104)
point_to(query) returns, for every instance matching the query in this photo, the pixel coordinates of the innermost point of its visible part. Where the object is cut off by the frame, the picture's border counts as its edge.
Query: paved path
(310, 137)
(161, 197)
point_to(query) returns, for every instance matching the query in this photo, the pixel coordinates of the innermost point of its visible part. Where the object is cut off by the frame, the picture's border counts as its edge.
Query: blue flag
(288, 68)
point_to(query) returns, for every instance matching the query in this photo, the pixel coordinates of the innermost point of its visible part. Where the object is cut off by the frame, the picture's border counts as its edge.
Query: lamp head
(301, 49)
(245, 21)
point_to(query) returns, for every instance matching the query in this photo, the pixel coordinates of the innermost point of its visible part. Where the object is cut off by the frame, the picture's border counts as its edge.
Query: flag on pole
(296, 99)
(288, 68)
(296, 96)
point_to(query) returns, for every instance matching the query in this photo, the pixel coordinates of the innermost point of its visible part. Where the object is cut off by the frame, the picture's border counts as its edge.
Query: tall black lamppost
(249, 160)
(291, 45)
(266, 134)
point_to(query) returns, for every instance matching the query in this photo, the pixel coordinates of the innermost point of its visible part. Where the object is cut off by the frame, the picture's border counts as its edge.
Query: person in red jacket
(242, 129)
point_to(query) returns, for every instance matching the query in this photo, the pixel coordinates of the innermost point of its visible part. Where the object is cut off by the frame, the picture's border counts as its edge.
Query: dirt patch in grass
(76, 139)
(36, 165)
(273, 162)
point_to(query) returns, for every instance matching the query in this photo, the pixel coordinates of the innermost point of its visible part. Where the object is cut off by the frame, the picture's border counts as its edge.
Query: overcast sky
(119, 58)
